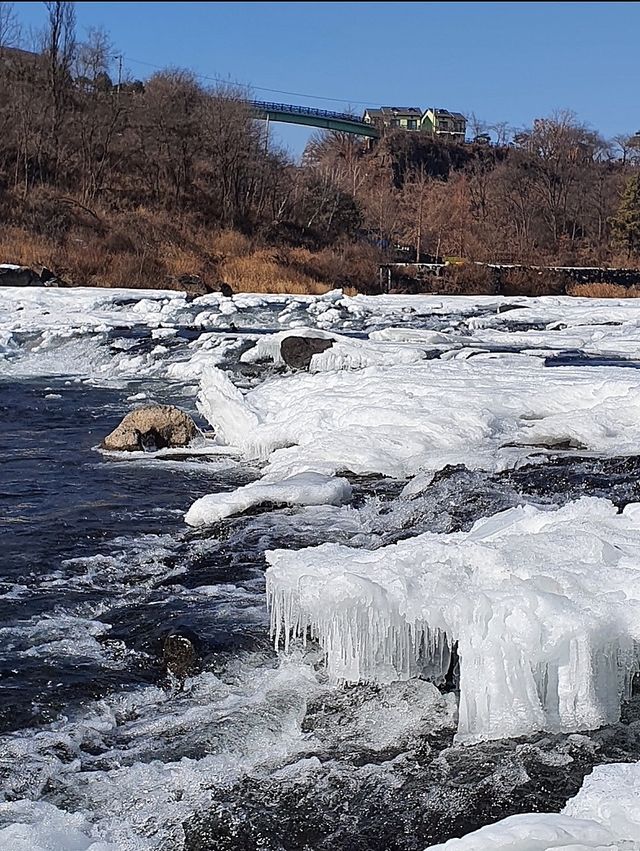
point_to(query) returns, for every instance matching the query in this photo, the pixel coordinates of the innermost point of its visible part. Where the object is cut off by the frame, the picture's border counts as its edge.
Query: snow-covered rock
(605, 814)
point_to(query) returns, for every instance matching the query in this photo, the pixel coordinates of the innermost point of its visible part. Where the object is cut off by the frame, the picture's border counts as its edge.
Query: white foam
(38, 826)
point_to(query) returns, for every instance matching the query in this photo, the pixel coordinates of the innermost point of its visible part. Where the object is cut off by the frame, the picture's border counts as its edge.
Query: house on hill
(441, 122)
(437, 122)
(394, 117)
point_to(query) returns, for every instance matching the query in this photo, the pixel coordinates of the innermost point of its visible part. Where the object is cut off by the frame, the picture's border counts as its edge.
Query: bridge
(341, 122)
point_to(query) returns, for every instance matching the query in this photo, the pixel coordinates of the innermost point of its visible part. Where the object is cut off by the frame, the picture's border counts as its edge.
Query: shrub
(465, 279)
(521, 280)
(602, 290)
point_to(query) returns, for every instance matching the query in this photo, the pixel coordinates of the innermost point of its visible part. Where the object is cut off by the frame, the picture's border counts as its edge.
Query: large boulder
(297, 352)
(150, 428)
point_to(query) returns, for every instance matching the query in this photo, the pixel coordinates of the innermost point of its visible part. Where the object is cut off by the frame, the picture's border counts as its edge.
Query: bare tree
(10, 30)
(94, 58)
(342, 152)
(59, 48)
(476, 125)
(502, 131)
(627, 147)
(412, 204)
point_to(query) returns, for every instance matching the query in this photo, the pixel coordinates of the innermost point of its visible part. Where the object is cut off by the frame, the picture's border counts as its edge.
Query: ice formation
(605, 814)
(397, 420)
(303, 489)
(543, 606)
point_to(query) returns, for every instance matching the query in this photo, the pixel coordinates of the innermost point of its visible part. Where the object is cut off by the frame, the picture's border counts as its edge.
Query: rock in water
(297, 351)
(150, 428)
(178, 655)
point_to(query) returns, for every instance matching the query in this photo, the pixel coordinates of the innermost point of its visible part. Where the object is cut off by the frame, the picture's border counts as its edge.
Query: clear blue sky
(503, 61)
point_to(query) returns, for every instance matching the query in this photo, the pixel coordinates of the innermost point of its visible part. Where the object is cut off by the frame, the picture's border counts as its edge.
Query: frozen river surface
(410, 575)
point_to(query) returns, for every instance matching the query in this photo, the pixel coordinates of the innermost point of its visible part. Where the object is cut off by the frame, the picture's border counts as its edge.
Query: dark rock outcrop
(226, 290)
(297, 352)
(150, 428)
(24, 276)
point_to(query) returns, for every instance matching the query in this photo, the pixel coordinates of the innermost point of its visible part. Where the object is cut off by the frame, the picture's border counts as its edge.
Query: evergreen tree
(626, 223)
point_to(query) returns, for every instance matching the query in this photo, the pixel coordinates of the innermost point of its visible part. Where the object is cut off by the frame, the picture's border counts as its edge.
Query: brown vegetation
(603, 291)
(533, 282)
(138, 184)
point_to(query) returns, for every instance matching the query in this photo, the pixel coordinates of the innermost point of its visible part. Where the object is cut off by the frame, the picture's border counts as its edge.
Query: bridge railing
(267, 106)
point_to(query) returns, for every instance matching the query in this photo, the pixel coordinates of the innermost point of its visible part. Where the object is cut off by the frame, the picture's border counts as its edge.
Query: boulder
(150, 428)
(297, 352)
(226, 290)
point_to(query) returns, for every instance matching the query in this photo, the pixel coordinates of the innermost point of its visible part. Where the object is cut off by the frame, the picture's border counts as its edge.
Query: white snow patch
(605, 814)
(303, 489)
(534, 832)
(399, 419)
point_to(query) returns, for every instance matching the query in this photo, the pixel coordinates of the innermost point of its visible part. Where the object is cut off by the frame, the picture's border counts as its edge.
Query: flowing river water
(102, 748)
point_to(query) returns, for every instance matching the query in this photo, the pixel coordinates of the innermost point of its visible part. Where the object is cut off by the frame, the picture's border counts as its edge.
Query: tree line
(83, 149)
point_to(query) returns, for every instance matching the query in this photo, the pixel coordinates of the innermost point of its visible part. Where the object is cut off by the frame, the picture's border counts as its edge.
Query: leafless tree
(10, 30)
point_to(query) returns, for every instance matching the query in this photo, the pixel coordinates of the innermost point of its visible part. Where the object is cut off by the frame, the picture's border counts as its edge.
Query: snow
(605, 814)
(533, 832)
(544, 607)
(400, 419)
(303, 489)
(611, 796)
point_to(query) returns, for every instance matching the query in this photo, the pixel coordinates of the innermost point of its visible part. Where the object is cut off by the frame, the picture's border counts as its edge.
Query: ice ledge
(542, 606)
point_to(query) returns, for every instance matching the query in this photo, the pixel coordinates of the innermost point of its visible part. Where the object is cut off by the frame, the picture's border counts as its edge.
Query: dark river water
(98, 569)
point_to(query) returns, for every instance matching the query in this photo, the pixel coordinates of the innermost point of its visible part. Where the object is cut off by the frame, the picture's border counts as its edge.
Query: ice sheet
(397, 420)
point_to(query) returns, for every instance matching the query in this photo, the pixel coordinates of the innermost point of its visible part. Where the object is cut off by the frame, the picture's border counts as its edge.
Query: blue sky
(508, 62)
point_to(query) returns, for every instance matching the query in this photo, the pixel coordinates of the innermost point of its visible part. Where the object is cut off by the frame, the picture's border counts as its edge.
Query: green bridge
(339, 121)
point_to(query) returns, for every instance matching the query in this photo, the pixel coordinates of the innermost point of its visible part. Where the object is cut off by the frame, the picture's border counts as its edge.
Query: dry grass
(28, 249)
(230, 243)
(602, 291)
(178, 260)
(152, 248)
(265, 272)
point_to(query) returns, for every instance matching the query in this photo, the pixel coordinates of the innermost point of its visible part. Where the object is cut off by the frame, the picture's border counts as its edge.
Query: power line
(217, 79)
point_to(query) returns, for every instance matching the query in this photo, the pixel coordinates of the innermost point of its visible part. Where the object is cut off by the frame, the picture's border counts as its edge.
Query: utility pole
(119, 72)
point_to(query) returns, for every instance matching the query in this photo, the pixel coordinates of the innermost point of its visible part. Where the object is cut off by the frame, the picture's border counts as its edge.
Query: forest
(113, 181)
